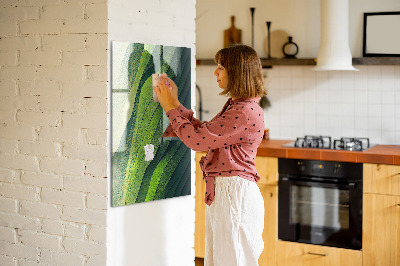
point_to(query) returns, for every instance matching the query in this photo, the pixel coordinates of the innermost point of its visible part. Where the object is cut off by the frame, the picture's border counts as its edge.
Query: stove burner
(324, 142)
(351, 144)
(308, 141)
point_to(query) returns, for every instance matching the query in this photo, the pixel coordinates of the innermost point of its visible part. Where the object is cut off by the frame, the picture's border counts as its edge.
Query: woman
(235, 207)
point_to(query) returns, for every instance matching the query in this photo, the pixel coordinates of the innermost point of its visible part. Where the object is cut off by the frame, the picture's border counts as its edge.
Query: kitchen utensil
(232, 35)
(269, 38)
(252, 9)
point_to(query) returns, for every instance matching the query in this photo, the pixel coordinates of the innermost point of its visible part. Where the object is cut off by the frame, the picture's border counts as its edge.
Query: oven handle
(297, 181)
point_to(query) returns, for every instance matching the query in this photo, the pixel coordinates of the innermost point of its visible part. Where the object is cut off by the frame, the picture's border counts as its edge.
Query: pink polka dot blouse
(231, 139)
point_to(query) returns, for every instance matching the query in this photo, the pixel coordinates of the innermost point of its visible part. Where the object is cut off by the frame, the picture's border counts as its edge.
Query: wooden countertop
(379, 154)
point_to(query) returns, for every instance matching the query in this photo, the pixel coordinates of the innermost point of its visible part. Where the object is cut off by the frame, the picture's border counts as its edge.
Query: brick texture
(53, 122)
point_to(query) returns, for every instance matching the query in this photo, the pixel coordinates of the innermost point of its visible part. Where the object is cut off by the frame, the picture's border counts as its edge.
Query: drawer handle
(318, 254)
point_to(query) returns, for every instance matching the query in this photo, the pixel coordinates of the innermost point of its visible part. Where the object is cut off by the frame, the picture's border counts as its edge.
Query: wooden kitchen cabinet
(381, 179)
(270, 233)
(200, 207)
(381, 215)
(381, 230)
(267, 167)
(298, 254)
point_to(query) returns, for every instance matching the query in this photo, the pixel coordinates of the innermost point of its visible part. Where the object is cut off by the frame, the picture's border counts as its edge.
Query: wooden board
(232, 35)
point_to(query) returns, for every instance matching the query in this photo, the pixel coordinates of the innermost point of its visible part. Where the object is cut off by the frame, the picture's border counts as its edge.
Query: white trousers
(234, 223)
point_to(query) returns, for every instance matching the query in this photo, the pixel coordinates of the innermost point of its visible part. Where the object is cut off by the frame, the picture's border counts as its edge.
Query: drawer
(381, 179)
(293, 254)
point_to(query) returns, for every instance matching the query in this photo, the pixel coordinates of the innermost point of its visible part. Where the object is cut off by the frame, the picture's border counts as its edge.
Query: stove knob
(301, 166)
(336, 169)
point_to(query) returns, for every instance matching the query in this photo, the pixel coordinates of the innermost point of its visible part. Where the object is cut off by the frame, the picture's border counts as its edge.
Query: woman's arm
(187, 113)
(227, 129)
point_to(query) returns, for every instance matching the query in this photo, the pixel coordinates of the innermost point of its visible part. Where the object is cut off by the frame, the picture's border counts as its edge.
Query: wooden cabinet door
(270, 233)
(267, 168)
(200, 207)
(381, 179)
(381, 230)
(298, 254)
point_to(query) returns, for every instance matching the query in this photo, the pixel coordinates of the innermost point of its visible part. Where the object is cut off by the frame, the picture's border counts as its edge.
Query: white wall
(53, 108)
(159, 232)
(337, 104)
(299, 18)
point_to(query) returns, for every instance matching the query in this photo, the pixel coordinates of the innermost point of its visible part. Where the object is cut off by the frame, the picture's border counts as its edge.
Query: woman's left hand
(163, 90)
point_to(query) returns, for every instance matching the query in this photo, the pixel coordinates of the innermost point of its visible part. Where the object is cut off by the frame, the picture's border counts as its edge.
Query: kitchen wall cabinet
(298, 254)
(381, 215)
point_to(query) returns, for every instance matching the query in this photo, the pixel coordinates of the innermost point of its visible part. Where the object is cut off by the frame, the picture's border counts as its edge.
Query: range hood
(334, 51)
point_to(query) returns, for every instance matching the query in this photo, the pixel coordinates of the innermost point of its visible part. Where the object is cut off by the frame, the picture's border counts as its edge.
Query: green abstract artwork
(144, 166)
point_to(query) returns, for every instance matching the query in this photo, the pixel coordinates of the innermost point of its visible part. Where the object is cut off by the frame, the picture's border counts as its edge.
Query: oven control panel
(331, 169)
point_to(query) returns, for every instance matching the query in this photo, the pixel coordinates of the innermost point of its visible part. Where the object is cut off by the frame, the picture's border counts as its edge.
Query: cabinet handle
(318, 254)
(398, 204)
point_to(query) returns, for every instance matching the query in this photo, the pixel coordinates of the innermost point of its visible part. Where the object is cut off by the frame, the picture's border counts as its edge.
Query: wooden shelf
(376, 61)
(312, 61)
(288, 62)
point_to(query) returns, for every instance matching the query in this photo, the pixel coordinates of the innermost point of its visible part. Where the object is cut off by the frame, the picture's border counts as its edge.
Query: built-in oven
(320, 202)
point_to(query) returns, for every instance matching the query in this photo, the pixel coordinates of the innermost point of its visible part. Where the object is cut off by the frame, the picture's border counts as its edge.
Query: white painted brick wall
(53, 122)
(8, 234)
(85, 184)
(8, 205)
(94, 201)
(41, 179)
(53, 227)
(97, 234)
(75, 230)
(61, 258)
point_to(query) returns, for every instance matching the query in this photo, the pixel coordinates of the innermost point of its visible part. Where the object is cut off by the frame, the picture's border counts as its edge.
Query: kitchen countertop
(379, 154)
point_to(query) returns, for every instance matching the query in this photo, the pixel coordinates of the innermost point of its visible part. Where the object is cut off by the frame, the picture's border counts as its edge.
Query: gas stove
(325, 142)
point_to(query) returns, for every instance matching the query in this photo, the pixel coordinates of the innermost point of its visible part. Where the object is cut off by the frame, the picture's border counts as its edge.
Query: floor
(198, 262)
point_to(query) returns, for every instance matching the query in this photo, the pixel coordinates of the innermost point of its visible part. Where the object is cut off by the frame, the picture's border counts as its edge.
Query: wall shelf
(312, 61)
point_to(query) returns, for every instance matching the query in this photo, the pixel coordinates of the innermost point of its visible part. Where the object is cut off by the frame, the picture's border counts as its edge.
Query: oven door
(321, 212)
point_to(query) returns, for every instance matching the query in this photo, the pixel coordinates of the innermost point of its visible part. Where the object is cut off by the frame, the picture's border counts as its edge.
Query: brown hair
(245, 78)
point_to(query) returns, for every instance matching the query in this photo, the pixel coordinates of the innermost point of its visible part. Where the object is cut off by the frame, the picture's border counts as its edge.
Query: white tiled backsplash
(331, 103)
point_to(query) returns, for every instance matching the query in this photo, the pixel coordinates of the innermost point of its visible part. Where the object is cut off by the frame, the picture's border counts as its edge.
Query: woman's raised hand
(164, 95)
(174, 90)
